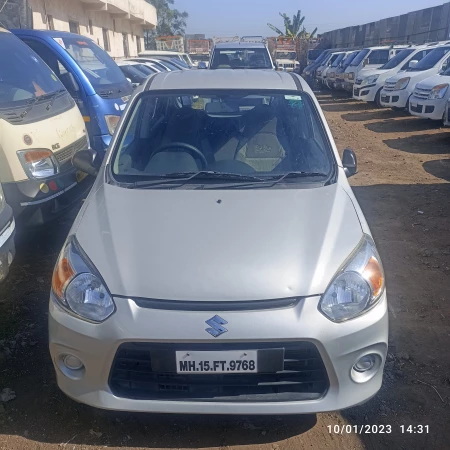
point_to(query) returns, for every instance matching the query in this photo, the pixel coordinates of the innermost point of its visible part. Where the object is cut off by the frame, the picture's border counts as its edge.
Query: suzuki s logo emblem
(216, 328)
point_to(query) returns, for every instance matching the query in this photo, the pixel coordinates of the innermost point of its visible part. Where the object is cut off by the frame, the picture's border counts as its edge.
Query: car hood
(365, 73)
(431, 82)
(419, 75)
(218, 245)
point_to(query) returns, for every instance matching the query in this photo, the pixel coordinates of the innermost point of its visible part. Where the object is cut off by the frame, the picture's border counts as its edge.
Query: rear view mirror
(413, 63)
(86, 161)
(349, 162)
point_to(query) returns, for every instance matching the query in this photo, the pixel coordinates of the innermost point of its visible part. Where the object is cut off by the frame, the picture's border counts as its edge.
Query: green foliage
(293, 28)
(170, 22)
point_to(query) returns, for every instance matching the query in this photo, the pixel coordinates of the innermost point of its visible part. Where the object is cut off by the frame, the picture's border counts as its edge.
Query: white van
(333, 62)
(370, 58)
(370, 82)
(398, 89)
(41, 128)
(430, 97)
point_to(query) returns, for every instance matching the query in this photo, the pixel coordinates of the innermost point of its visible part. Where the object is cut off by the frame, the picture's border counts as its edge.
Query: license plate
(81, 176)
(232, 361)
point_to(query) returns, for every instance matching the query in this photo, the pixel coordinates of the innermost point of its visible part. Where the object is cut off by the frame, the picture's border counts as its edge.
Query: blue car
(91, 76)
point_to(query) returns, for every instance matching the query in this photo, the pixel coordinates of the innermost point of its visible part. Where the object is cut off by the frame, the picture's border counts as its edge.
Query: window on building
(126, 48)
(50, 23)
(91, 28)
(74, 27)
(138, 44)
(106, 44)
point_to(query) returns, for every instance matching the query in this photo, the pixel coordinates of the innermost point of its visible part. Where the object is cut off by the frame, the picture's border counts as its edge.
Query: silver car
(221, 263)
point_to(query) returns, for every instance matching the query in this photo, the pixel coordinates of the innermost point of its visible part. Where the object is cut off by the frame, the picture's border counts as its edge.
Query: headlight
(402, 83)
(112, 122)
(370, 80)
(78, 287)
(438, 91)
(351, 75)
(357, 286)
(38, 163)
(2, 198)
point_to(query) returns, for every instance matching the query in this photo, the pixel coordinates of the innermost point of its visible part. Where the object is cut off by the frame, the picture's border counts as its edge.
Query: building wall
(417, 27)
(63, 11)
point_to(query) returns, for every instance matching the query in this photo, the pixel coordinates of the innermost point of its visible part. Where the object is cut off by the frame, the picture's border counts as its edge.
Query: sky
(250, 17)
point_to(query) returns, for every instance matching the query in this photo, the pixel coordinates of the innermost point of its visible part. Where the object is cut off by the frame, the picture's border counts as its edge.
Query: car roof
(50, 33)
(225, 79)
(160, 53)
(240, 45)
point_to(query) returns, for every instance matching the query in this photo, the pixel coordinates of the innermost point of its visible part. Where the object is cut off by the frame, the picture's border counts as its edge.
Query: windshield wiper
(179, 178)
(53, 96)
(31, 104)
(272, 181)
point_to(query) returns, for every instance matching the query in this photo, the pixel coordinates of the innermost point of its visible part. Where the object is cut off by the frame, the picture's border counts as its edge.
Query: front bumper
(348, 86)
(35, 202)
(394, 99)
(427, 109)
(7, 247)
(365, 93)
(339, 346)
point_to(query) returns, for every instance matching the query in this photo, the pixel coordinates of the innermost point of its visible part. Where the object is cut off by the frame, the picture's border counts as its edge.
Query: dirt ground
(403, 186)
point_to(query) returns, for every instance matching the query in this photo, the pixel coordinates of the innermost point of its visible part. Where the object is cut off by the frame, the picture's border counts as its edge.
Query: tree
(293, 28)
(170, 22)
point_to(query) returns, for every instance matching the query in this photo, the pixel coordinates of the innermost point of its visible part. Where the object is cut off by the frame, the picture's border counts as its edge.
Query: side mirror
(202, 65)
(86, 161)
(349, 162)
(413, 63)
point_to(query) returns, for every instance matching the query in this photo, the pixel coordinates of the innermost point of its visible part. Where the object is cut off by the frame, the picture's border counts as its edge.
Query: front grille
(147, 371)
(64, 156)
(390, 86)
(423, 94)
(356, 91)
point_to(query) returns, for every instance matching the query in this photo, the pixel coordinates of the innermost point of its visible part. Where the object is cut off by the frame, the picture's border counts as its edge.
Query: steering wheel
(194, 151)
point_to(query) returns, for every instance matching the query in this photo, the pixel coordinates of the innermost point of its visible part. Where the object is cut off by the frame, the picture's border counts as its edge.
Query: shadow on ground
(375, 114)
(439, 168)
(437, 143)
(403, 125)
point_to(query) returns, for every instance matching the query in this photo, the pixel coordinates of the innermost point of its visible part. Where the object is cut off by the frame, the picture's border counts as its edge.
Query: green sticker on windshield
(294, 101)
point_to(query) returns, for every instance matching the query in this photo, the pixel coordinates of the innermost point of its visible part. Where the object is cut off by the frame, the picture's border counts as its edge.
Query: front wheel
(378, 99)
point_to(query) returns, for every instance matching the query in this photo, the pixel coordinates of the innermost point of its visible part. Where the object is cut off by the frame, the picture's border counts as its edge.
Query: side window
(445, 64)
(53, 62)
(379, 57)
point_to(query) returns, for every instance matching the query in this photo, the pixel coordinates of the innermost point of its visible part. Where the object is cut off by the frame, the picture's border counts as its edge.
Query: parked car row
(412, 78)
(70, 98)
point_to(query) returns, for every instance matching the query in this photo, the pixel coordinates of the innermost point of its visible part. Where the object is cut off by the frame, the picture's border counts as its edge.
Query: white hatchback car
(221, 263)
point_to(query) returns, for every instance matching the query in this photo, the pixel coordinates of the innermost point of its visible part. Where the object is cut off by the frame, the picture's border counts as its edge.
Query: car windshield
(347, 61)
(133, 73)
(23, 75)
(314, 54)
(397, 59)
(98, 66)
(286, 55)
(179, 62)
(338, 60)
(168, 64)
(259, 134)
(430, 60)
(147, 70)
(360, 57)
(241, 58)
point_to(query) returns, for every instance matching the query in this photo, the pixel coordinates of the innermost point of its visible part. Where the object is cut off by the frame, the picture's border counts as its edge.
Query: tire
(378, 99)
